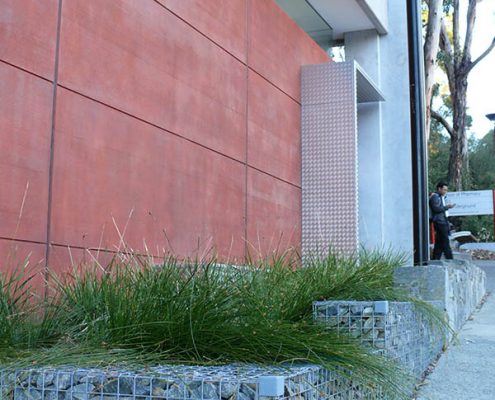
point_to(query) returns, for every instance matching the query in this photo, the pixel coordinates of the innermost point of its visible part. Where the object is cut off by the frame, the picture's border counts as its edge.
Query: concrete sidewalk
(467, 370)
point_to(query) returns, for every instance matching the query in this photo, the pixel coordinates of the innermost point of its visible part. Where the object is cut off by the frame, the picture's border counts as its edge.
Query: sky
(481, 80)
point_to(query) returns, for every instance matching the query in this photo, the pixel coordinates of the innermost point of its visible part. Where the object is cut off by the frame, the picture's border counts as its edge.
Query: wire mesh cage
(396, 329)
(182, 383)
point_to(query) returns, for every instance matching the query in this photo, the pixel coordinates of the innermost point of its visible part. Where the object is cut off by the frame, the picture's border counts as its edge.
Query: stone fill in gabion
(396, 329)
(181, 383)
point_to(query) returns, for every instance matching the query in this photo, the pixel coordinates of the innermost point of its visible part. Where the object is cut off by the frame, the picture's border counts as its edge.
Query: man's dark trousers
(442, 243)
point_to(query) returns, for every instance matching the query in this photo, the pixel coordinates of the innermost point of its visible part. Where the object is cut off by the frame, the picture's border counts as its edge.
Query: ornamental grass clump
(25, 324)
(14, 302)
(134, 312)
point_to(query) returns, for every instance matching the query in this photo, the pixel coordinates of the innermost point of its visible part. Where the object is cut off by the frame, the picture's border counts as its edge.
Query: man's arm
(436, 204)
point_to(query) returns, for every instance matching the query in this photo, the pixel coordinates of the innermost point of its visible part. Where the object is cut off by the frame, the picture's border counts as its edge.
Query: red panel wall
(278, 47)
(28, 34)
(274, 214)
(25, 120)
(171, 124)
(273, 131)
(117, 176)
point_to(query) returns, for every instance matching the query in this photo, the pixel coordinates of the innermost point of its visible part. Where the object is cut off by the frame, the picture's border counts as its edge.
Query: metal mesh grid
(396, 329)
(179, 383)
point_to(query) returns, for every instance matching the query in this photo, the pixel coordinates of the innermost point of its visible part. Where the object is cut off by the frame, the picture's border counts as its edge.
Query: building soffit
(326, 21)
(352, 15)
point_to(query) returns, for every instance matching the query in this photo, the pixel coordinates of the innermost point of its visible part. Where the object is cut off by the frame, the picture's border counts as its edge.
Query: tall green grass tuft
(199, 312)
(25, 323)
(14, 305)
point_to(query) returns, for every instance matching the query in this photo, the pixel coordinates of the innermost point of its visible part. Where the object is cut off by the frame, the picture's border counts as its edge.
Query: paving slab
(490, 246)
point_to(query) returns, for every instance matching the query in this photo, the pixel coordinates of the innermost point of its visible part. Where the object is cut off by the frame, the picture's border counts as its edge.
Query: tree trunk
(457, 65)
(458, 144)
(455, 164)
(431, 47)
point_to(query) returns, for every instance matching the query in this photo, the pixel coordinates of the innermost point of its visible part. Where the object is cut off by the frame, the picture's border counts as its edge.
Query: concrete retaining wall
(456, 286)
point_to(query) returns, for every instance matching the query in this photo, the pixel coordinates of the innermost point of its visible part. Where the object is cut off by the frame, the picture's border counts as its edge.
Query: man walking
(439, 216)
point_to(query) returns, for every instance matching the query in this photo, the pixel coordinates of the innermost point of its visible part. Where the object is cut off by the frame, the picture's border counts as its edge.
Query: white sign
(479, 202)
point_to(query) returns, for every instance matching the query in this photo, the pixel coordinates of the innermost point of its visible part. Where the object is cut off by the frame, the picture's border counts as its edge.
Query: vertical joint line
(52, 145)
(246, 248)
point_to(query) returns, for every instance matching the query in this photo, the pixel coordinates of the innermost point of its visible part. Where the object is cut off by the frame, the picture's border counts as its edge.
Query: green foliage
(21, 324)
(439, 142)
(443, 59)
(482, 162)
(132, 313)
(448, 6)
(438, 156)
(480, 225)
(481, 175)
(14, 298)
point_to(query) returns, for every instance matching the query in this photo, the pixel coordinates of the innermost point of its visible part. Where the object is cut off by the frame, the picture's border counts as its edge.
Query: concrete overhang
(304, 14)
(352, 15)
(321, 18)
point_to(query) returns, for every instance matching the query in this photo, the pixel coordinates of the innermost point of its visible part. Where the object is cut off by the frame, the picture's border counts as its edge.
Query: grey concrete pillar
(364, 47)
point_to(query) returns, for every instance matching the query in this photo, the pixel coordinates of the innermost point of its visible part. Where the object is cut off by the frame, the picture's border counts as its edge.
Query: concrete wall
(385, 203)
(396, 137)
(177, 122)
(456, 286)
(364, 47)
(377, 11)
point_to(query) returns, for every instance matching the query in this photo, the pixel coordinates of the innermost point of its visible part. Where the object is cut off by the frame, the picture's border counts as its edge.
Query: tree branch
(446, 47)
(443, 121)
(455, 29)
(470, 19)
(432, 40)
(430, 50)
(483, 55)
